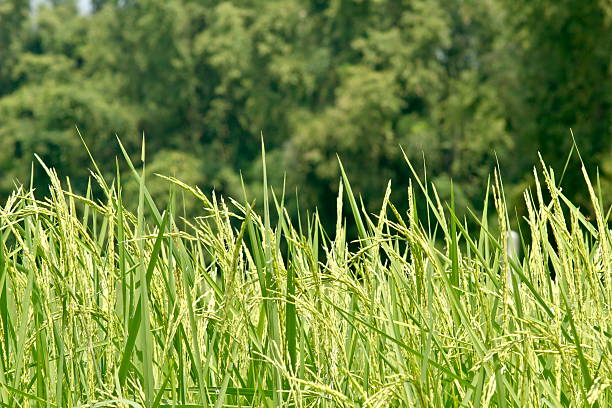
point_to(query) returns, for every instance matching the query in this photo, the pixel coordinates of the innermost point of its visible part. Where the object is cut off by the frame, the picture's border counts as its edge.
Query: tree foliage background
(464, 84)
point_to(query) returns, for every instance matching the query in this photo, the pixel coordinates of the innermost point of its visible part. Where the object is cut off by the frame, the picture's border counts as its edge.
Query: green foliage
(564, 52)
(13, 15)
(42, 120)
(110, 303)
(464, 84)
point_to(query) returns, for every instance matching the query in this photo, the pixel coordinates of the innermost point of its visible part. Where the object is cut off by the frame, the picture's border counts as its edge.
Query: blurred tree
(96, 5)
(560, 52)
(418, 78)
(13, 15)
(463, 83)
(42, 114)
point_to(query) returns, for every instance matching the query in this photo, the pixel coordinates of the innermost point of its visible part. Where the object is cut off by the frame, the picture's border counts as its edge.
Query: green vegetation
(103, 303)
(119, 287)
(460, 81)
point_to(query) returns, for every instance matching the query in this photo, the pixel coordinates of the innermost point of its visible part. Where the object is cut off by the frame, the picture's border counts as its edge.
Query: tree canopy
(466, 85)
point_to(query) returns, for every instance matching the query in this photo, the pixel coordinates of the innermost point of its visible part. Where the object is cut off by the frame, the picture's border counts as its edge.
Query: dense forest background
(462, 83)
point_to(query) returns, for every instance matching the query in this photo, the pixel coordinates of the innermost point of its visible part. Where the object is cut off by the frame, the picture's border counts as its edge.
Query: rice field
(103, 303)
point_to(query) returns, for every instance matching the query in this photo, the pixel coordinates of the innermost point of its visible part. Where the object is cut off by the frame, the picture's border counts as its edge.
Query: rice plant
(107, 304)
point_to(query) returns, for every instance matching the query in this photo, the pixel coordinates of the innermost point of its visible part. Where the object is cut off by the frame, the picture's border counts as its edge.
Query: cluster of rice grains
(106, 305)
